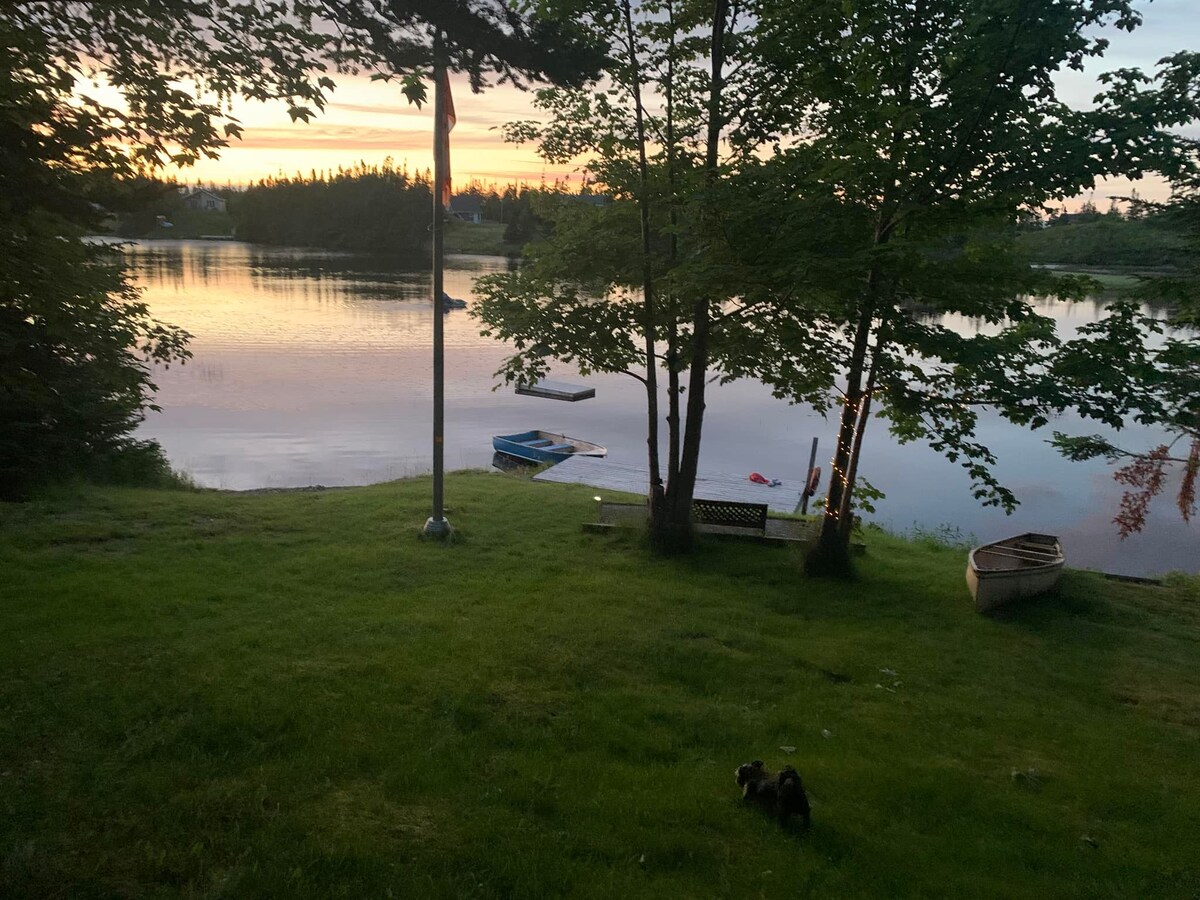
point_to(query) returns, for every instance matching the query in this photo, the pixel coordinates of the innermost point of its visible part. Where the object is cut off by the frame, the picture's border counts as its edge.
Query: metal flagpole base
(436, 528)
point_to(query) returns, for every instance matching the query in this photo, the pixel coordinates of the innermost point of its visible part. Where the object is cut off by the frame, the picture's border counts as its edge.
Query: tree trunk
(655, 498)
(673, 388)
(831, 555)
(845, 514)
(681, 488)
(673, 391)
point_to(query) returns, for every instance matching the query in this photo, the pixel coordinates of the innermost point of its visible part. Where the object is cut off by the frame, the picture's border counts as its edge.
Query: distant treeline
(370, 209)
(1092, 238)
(373, 209)
(385, 209)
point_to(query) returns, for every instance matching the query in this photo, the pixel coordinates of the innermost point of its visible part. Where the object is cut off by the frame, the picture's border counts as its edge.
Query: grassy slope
(185, 224)
(486, 238)
(1108, 280)
(290, 695)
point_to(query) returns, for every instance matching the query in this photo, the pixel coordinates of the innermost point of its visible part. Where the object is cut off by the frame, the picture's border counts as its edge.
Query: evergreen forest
(376, 209)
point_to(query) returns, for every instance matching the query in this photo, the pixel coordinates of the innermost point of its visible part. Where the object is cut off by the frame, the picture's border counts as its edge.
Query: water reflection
(314, 368)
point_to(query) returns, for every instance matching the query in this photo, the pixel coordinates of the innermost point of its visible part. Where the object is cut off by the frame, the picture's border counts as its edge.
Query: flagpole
(436, 525)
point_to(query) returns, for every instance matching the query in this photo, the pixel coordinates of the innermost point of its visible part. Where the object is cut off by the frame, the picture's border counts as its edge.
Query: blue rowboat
(544, 446)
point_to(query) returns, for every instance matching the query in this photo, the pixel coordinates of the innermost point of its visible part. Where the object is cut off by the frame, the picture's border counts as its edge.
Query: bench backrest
(728, 512)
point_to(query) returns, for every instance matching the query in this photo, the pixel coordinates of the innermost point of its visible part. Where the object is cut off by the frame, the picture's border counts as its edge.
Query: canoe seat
(559, 448)
(539, 442)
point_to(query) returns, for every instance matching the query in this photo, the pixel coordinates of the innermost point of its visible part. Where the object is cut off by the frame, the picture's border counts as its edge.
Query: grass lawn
(290, 695)
(1111, 281)
(485, 237)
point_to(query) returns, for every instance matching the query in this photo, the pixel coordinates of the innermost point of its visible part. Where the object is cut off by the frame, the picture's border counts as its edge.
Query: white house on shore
(204, 200)
(467, 207)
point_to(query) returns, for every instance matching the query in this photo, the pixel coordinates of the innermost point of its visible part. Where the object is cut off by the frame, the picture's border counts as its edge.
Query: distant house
(205, 200)
(595, 199)
(468, 207)
(1075, 218)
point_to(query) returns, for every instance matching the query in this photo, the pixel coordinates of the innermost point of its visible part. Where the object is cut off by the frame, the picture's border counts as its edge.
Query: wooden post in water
(812, 461)
(436, 525)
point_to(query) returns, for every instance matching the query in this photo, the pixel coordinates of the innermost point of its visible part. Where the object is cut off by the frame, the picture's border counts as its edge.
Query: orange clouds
(370, 121)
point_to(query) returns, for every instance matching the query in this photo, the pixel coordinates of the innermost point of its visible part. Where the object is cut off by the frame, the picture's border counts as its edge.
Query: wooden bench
(730, 514)
(720, 518)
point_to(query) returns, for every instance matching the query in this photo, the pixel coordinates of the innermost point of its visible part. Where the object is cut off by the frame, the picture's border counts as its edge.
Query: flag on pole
(447, 125)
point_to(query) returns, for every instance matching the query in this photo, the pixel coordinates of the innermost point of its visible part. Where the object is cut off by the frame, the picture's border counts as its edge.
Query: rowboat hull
(544, 446)
(1021, 566)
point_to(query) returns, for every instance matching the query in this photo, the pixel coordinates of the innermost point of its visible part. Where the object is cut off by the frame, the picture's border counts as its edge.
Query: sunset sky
(369, 121)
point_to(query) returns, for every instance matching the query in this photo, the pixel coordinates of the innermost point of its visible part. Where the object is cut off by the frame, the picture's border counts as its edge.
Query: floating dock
(557, 390)
(613, 476)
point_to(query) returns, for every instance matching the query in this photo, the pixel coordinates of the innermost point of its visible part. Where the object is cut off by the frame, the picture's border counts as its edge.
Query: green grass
(291, 695)
(1111, 281)
(185, 224)
(486, 238)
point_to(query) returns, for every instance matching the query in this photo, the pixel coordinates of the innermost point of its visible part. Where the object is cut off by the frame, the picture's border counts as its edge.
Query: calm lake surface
(315, 368)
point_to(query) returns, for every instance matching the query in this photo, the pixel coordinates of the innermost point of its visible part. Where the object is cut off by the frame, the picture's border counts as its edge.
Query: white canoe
(1015, 567)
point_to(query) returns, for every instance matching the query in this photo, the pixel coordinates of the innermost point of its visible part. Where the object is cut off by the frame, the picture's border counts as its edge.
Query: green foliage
(147, 49)
(1130, 368)
(377, 209)
(515, 40)
(1106, 241)
(258, 49)
(909, 141)
(158, 210)
(367, 208)
(1181, 288)
(932, 129)
(866, 495)
(287, 694)
(640, 285)
(944, 535)
(1187, 585)
(76, 341)
(374, 209)
(522, 228)
(77, 346)
(570, 301)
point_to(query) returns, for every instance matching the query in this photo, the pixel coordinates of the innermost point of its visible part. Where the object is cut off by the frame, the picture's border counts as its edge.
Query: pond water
(315, 368)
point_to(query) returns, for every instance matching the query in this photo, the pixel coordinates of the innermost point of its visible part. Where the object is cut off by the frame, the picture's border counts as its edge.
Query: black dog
(781, 795)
